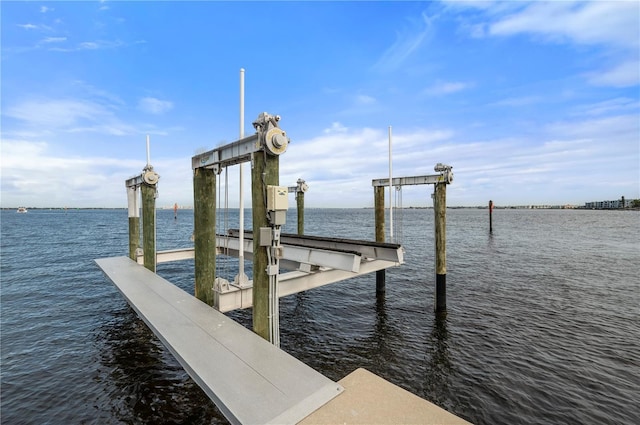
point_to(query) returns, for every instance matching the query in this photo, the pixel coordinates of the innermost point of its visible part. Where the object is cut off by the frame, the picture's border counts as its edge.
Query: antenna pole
(148, 153)
(241, 274)
(390, 191)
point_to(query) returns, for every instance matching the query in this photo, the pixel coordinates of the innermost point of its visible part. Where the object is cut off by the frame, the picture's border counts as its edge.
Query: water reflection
(439, 368)
(146, 383)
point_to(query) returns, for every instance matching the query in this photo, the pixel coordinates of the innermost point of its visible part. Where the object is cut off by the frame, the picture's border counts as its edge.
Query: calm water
(543, 324)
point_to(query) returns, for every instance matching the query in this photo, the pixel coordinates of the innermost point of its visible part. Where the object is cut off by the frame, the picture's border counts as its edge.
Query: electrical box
(265, 236)
(277, 198)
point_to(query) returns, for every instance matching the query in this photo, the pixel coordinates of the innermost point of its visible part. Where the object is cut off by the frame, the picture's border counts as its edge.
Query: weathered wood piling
(265, 172)
(300, 190)
(440, 223)
(378, 201)
(148, 191)
(490, 216)
(204, 234)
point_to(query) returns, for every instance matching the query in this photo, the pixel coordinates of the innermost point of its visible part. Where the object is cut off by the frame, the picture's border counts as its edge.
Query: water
(543, 322)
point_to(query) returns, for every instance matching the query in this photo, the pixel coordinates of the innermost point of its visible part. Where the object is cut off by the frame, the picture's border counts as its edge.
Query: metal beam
(298, 254)
(230, 154)
(134, 181)
(316, 251)
(409, 181)
(368, 249)
(290, 283)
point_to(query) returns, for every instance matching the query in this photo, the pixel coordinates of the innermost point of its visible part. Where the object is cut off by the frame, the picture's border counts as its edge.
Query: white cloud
(596, 22)
(616, 105)
(407, 42)
(45, 9)
(447, 87)
(64, 181)
(56, 113)
(28, 26)
(339, 165)
(72, 115)
(53, 40)
(153, 105)
(610, 25)
(518, 101)
(363, 99)
(91, 45)
(563, 158)
(88, 45)
(336, 127)
(625, 74)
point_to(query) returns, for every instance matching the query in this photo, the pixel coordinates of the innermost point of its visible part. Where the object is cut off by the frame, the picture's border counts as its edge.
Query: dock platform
(252, 381)
(370, 400)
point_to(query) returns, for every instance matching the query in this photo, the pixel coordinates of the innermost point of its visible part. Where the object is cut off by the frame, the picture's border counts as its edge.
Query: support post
(204, 224)
(440, 209)
(133, 192)
(149, 225)
(265, 171)
(300, 206)
(490, 216)
(378, 195)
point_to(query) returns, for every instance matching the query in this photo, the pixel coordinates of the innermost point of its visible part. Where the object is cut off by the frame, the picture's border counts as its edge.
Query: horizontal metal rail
(409, 181)
(231, 154)
(368, 249)
(335, 259)
(235, 297)
(134, 181)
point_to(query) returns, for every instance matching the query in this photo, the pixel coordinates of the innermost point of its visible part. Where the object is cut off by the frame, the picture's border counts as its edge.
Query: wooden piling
(440, 209)
(149, 225)
(490, 216)
(204, 225)
(300, 206)
(134, 221)
(378, 194)
(265, 171)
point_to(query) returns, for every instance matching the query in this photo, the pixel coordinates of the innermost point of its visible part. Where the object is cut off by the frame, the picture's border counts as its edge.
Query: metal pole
(204, 232)
(390, 191)
(440, 209)
(148, 153)
(378, 200)
(242, 280)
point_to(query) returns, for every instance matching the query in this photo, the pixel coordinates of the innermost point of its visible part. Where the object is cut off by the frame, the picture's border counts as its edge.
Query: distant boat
(22, 210)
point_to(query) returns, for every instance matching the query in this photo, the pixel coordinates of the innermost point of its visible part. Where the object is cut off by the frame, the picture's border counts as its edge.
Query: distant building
(606, 205)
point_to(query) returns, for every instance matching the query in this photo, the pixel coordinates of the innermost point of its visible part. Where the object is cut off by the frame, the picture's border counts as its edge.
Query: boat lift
(310, 262)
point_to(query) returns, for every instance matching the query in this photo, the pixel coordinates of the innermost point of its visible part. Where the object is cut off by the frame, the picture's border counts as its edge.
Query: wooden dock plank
(250, 380)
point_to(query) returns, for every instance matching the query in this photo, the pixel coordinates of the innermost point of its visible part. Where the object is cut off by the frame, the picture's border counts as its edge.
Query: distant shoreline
(478, 207)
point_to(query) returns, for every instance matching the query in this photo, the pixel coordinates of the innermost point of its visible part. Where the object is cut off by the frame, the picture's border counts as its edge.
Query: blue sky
(530, 102)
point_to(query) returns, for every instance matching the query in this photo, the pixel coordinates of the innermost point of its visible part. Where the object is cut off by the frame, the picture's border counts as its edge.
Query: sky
(529, 102)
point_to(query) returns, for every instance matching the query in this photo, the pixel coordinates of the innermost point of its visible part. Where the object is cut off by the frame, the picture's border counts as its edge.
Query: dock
(246, 374)
(250, 380)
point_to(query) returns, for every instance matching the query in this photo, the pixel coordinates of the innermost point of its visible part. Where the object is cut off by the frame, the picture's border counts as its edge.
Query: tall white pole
(148, 153)
(390, 191)
(241, 206)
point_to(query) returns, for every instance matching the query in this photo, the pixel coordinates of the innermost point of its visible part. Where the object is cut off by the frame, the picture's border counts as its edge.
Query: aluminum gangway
(250, 380)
